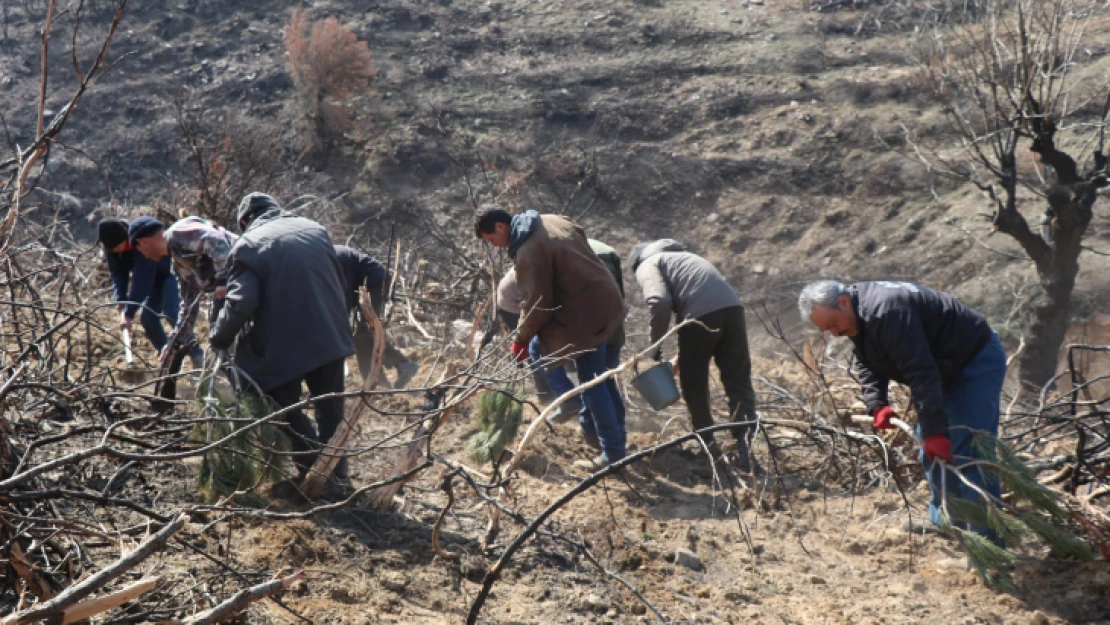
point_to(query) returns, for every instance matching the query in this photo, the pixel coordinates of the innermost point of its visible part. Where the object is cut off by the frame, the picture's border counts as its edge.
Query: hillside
(751, 131)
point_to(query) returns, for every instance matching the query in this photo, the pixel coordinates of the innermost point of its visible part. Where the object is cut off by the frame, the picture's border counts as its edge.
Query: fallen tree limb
(72, 595)
(317, 477)
(530, 433)
(445, 486)
(240, 600)
(86, 609)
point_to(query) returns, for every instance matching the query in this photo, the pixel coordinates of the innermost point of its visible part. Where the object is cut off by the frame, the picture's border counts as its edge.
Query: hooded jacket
(568, 297)
(917, 336)
(285, 301)
(676, 281)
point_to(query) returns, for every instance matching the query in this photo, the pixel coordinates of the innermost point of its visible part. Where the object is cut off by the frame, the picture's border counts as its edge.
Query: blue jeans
(606, 409)
(972, 404)
(585, 418)
(164, 299)
(560, 383)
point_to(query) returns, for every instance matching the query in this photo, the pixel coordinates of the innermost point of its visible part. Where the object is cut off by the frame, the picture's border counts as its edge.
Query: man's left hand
(938, 446)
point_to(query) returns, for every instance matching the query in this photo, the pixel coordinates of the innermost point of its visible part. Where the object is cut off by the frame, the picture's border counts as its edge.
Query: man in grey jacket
(677, 282)
(285, 303)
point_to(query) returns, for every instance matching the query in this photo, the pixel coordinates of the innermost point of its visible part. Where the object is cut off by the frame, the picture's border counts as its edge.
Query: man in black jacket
(285, 304)
(361, 270)
(945, 352)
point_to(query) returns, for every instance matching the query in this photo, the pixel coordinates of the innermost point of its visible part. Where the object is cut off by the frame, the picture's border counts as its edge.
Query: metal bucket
(657, 385)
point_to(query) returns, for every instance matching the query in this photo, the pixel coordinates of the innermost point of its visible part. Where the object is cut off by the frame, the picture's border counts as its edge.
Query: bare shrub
(231, 156)
(330, 69)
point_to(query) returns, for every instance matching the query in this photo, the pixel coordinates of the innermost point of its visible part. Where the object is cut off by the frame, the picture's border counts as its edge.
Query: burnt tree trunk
(1055, 251)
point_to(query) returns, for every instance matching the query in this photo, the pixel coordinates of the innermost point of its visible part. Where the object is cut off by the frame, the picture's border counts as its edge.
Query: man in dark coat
(285, 312)
(141, 286)
(686, 286)
(945, 352)
(361, 270)
(570, 300)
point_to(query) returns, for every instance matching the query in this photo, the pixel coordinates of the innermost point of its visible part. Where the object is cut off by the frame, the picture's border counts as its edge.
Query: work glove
(520, 351)
(880, 418)
(938, 446)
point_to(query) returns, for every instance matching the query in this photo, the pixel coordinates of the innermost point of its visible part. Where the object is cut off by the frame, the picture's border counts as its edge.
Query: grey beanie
(251, 206)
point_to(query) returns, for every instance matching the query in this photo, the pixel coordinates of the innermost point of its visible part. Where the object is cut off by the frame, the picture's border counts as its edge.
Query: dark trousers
(364, 346)
(329, 413)
(728, 347)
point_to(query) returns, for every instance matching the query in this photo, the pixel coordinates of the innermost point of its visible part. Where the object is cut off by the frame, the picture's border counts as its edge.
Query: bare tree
(1030, 118)
(230, 157)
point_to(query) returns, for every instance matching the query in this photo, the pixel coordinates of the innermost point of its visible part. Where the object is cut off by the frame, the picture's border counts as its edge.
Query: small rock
(393, 581)
(817, 580)
(758, 269)
(712, 217)
(1038, 618)
(952, 564)
(342, 595)
(770, 37)
(638, 609)
(593, 603)
(612, 613)
(686, 558)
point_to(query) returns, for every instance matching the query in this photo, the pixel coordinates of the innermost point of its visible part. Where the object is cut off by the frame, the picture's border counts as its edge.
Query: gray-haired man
(945, 352)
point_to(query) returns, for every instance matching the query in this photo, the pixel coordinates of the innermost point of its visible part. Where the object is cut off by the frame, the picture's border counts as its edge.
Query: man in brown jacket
(570, 301)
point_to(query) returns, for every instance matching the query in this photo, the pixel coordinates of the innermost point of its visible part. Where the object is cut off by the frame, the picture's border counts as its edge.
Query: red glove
(938, 446)
(880, 418)
(520, 351)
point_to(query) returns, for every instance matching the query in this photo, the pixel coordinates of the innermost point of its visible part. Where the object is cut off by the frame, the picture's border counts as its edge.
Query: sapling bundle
(1034, 510)
(499, 419)
(244, 462)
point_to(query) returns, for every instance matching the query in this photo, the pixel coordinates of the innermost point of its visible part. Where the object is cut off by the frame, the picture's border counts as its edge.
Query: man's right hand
(881, 416)
(520, 351)
(124, 321)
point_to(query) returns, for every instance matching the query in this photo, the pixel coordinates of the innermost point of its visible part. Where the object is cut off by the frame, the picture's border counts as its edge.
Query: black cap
(111, 232)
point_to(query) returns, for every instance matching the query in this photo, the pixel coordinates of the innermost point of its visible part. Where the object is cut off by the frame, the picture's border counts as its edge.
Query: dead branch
(240, 600)
(321, 470)
(72, 595)
(91, 607)
(445, 486)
